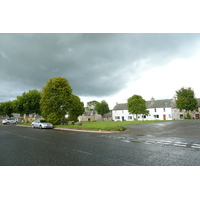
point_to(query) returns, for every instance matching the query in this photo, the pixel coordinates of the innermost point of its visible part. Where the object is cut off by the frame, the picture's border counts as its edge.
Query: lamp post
(62, 120)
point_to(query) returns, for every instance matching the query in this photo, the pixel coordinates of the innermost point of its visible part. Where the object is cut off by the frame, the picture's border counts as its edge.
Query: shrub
(187, 116)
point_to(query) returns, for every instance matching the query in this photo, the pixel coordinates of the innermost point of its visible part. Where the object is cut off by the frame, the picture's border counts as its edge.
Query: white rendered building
(158, 110)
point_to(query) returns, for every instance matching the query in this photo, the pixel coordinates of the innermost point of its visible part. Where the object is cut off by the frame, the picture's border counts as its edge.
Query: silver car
(41, 123)
(9, 121)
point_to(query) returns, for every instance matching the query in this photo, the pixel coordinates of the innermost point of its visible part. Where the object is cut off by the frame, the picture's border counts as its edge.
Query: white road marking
(180, 145)
(196, 144)
(195, 147)
(163, 142)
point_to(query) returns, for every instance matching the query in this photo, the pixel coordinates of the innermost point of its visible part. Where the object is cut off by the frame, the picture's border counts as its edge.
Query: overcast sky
(109, 67)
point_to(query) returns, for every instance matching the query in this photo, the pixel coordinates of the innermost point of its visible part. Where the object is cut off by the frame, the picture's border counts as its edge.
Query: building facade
(158, 110)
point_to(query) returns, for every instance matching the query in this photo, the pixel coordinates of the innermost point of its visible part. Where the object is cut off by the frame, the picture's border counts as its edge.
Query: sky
(101, 66)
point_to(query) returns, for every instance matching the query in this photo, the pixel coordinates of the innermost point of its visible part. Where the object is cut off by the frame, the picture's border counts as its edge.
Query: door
(164, 117)
(197, 116)
(122, 118)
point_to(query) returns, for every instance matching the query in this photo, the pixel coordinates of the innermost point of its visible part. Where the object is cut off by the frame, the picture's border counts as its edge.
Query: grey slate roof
(164, 103)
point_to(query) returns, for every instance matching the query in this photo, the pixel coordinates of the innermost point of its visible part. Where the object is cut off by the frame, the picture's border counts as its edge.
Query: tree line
(53, 102)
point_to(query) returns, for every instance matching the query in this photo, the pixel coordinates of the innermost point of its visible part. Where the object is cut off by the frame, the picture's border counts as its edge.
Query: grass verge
(105, 125)
(102, 125)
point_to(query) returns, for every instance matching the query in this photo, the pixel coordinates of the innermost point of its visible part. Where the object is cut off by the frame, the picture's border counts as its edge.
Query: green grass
(105, 125)
(23, 123)
(102, 125)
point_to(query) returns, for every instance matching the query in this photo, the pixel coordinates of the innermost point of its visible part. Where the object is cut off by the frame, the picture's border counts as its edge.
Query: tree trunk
(26, 118)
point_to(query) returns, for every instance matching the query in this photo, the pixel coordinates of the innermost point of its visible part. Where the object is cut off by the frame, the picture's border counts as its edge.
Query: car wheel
(8, 123)
(40, 127)
(33, 126)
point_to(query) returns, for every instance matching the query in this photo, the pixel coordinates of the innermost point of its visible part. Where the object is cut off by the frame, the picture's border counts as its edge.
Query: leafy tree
(102, 108)
(91, 105)
(186, 99)
(6, 108)
(55, 95)
(28, 103)
(76, 108)
(137, 105)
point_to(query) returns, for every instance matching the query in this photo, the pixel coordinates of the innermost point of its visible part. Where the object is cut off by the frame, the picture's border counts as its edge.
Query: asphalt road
(175, 143)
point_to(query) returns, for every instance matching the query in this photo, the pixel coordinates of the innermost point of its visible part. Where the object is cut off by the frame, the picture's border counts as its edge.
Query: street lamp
(62, 120)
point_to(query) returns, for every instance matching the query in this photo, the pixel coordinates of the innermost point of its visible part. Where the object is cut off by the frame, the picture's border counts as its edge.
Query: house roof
(164, 103)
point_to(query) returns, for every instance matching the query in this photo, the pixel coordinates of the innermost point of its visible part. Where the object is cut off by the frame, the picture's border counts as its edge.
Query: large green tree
(102, 108)
(55, 99)
(28, 103)
(76, 108)
(91, 105)
(186, 99)
(137, 105)
(6, 108)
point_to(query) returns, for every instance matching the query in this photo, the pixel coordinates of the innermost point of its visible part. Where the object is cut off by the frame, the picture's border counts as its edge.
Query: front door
(197, 116)
(122, 118)
(164, 117)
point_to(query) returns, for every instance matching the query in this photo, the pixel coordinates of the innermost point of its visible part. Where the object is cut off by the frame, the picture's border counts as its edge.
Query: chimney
(152, 100)
(174, 98)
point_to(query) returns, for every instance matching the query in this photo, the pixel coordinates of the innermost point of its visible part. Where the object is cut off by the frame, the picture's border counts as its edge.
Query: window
(122, 112)
(155, 109)
(170, 116)
(130, 117)
(117, 117)
(163, 109)
(156, 116)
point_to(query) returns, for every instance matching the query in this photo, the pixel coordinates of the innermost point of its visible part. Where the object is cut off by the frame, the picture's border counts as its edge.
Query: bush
(187, 116)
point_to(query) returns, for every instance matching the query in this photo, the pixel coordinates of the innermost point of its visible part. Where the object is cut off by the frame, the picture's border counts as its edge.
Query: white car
(41, 123)
(9, 121)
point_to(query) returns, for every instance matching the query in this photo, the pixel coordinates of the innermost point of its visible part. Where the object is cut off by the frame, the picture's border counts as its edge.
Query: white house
(158, 110)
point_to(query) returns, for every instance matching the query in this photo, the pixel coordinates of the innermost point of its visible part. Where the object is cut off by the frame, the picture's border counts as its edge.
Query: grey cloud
(94, 64)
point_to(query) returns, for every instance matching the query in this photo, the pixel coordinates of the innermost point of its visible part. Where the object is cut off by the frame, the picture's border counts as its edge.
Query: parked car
(41, 123)
(9, 121)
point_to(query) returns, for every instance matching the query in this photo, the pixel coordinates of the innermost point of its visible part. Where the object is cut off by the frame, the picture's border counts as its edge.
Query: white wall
(119, 115)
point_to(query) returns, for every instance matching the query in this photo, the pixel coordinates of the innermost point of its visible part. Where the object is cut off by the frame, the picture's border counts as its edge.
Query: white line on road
(180, 145)
(196, 146)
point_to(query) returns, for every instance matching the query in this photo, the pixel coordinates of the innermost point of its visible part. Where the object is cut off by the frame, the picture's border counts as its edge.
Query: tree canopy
(91, 105)
(6, 108)
(28, 103)
(76, 108)
(102, 108)
(186, 99)
(55, 99)
(137, 105)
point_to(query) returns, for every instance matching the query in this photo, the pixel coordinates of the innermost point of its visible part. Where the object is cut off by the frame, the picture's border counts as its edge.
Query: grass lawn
(105, 125)
(102, 125)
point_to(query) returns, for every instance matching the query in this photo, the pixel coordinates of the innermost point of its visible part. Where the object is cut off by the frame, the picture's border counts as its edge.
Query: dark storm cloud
(94, 64)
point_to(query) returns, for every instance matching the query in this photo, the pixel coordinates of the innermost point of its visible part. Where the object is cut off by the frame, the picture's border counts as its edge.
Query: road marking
(180, 145)
(195, 147)
(196, 144)
(84, 152)
(163, 142)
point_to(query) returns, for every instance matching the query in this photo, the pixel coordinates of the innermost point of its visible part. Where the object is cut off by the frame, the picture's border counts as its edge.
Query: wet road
(174, 143)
